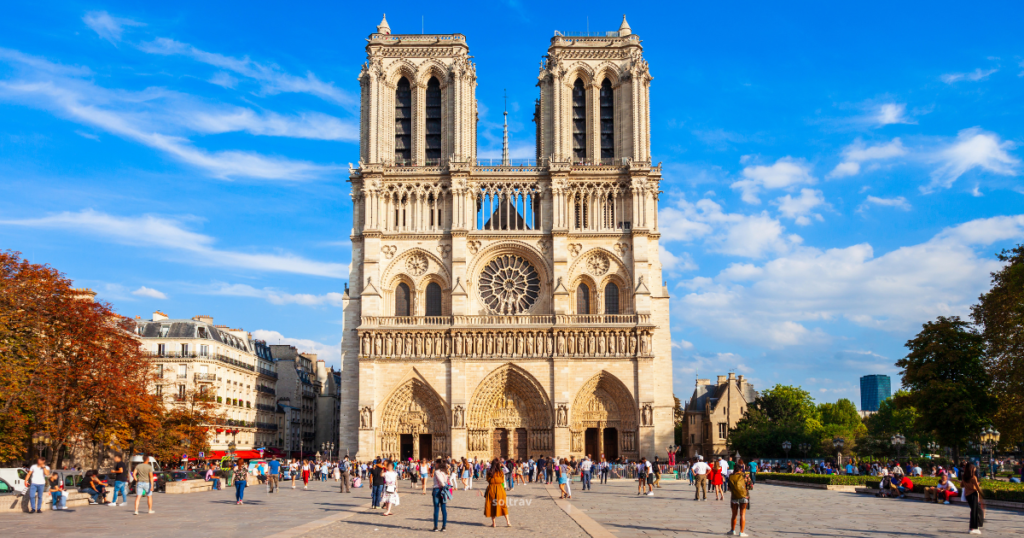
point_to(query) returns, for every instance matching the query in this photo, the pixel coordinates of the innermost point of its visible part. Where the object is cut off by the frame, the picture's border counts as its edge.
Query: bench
(19, 503)
(187, 486)
(955, 500)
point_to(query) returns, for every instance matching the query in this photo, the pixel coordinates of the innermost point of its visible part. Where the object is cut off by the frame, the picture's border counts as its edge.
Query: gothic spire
(504, 138)
(383, 27)
(624, 29)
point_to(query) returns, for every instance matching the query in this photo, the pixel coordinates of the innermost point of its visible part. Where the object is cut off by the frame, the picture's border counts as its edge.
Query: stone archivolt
(413, 408)
(604, 402)
(509, 398)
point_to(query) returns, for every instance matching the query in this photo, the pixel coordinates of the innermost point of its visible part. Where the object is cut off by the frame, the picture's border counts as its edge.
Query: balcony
(265, 390)
(488, 320)
(182, 376)
(268, 373)
(205, 378)
(265, 407)
(266, 426)
(216, 356)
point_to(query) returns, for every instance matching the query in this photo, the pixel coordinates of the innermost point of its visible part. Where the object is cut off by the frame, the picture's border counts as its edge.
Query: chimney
(739, 380)
(722, 379)
(732, 376)
(310, 356)
(158, 315)
(702, 382)
(203, 319)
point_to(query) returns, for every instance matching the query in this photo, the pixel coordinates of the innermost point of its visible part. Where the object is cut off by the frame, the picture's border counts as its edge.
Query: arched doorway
(604, 419)
(509, 416)
(413, 424)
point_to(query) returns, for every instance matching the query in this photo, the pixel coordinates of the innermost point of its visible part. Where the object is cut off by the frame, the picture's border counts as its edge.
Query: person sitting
(211, 476)
(903, 486)
(945, 490)
(96, 488)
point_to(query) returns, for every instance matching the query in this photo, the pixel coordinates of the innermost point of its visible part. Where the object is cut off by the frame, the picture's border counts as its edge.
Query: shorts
(650, 479)
(143, 488)
(744, 500)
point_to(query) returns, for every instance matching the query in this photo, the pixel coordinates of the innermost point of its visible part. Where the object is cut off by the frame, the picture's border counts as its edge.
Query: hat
(700, 458)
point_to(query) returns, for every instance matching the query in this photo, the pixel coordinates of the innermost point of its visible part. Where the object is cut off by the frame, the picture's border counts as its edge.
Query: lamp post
(837, 443)
(41, 440)
(804, 448)
(786, 445)
(898, 441)
(933, 447)
(989, 440)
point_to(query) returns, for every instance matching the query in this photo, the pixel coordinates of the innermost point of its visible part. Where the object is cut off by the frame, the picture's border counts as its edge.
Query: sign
(201, 455)
(184, 457)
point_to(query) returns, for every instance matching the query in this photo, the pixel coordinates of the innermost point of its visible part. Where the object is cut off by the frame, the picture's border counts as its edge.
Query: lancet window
(433, 299)
(597, 206)
(415, 207)
(607, 121)
(508, 206)
(583, 299)
(403, 300)
(433, 122)
(579, 121)
(611, 299)
(403, 122)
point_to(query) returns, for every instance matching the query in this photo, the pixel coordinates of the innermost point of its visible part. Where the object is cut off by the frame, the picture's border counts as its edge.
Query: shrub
(827, 479)
(990, 489)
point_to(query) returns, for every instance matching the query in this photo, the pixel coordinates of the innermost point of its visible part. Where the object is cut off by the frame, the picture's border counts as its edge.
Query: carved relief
(563, 416)
(417, 264)
(598, 264)
(545, 246)
(444, 250)
(621, 249)
(365, 418)
(646, 415)
(574, 249)
(459, 417)
(473, 246)
(389, 251)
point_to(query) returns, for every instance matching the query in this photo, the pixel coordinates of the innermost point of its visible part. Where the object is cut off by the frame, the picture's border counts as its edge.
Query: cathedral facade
(505, 308)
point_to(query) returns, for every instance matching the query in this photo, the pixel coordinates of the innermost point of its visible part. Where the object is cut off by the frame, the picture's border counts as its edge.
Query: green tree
(948, 382)
(781, 413)
(1000, 313)
(842, 413)
(891, 418)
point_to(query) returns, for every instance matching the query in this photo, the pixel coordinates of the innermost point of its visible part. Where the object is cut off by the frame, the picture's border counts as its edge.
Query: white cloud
(785, 173)
(734, 234)
(331, 354)
(858, 153)
(973, 76)
(676, 264)
(775, 303)
(898, 202)
(892, 113)
(276, 296)
(800, 208)
(190, 247)
(154, 117)
(973, 148)
(106, 26)
(149, 292)
(273, 79)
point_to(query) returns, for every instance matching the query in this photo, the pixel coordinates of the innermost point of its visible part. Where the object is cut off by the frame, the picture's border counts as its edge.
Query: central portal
(509, 416)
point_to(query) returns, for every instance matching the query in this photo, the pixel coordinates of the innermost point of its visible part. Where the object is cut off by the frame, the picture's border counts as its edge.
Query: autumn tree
(1000, 314)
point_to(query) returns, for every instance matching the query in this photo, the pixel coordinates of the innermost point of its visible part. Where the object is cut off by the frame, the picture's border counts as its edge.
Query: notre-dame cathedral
(505, 308)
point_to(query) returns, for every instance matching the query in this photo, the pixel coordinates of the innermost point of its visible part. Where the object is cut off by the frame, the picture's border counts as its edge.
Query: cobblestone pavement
(530, 508)
(779, 511)
(211, 513)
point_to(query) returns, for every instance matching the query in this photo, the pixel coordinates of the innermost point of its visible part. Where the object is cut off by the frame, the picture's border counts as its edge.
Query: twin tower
(500, 308)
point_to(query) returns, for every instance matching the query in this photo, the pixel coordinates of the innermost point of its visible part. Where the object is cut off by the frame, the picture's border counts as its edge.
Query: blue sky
(834, 176)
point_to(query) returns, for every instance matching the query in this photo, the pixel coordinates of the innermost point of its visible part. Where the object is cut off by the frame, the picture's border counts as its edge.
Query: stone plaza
(608, 510)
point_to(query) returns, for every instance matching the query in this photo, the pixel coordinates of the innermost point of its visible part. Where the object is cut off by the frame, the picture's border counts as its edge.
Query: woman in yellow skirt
(495, 504)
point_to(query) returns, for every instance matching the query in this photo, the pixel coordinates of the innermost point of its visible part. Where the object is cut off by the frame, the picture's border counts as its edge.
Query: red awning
(247, 454)
(215, 455)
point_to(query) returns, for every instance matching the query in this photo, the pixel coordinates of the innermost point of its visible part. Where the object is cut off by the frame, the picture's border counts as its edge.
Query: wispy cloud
(271, 77)
(331, 354)
(149, 292)
(168, 233)
(973, 76)
(160, 118)
(275, 296)
(106, 26)
(858, 153)
(785, 173)
(801, 208)
(898, 202)
(892, 113)
(973, 148)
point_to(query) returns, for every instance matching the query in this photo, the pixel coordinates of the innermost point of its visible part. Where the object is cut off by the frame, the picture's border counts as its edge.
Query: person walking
(390, 488)
(495, 501)
(563, 479)
(143, 475)
(241, 480)
(120, 480)
(424, 470)
(972, 492)
(700, 473)
(36, 479)
(739, 488)
(275, 475)
(604, 468)
(716, 479)
(376, 484)
(586, 467)
(441, 493)
(657, 473)
(345, 467)
(307, 471)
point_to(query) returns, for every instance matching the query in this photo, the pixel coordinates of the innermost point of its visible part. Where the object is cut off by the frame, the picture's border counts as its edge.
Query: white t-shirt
(37, 475)
(649, 469)
(701, 468)
(585, 466)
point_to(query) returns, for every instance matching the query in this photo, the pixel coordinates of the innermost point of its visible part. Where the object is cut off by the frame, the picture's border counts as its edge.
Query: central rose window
(509, 285)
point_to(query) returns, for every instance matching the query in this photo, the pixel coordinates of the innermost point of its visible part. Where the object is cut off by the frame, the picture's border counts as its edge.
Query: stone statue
(376, 346)
(458, 344)
(562, 418)
(500, 345)
(561, 344)
(632, 344)
(572, 344)
(364, 418)
(389, 345)
(550, 344)
(508, 344)
(529, 345)
(419, 345)
(519, 344)
(457, 417)
(447, 345)
(479, 344)
(643, 344)
(622, 342)
(490, 344)
(591, 344)
(600, 344)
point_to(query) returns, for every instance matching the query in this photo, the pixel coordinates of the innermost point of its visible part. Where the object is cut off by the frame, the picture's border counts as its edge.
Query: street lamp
(786, 445)
(898, 441)
(933, 447)
(989, 440)
(804, 448)
(41, 440)
(837, 443)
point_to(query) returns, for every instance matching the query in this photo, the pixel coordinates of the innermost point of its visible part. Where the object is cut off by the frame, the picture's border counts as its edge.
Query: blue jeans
(239, 490)
(440, 504)
(376, 493)
(120, 487)
(93, 493)
(753, 477)
(585, 478)
(35, 496)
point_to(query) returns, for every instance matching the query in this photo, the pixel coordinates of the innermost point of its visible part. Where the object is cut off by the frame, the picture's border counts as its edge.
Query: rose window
(509, 285)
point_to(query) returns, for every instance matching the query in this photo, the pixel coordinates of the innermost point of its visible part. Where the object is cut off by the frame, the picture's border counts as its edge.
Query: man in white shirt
(649, 472)
(585, 469)
(700, 473)
(36, 479)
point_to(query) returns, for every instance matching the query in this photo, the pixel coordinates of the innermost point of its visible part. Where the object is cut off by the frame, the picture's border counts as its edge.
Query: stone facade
(712, 411)
(514, 309)
(298, 389)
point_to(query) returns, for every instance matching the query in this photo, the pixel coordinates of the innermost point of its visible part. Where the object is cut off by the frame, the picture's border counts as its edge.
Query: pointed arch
(604, 404)
(512, 400)
(415, 408)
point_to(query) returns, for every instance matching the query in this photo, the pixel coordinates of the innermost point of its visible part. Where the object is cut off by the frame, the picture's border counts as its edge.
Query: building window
(164, 329)
(582, 210)
(611, 299)
(693, 438)
(182, 371)
(607, 120)
(160, 370)
(579, 121)
(433, 299)
(402, 300)
(159, 390)
(161, 350)
(204, 350)
(722, 430)
(184, 350)
(202, 332)
(433, 110)
(583, 299)
(181, 392)
(403, 122)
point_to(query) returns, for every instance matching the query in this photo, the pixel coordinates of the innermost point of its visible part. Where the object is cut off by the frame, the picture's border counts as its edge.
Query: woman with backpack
(740, 486)
(442, 492)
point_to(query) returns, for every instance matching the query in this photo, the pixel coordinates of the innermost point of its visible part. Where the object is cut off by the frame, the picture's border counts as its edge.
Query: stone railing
(494, 320)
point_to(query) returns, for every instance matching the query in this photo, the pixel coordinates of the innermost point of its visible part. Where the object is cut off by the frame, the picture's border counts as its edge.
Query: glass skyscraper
(874, 389)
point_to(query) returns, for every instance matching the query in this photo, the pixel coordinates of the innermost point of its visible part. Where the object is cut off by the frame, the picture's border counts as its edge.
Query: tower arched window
(611, 299)
(433, 126)
(579, 121)
(403, 122)
(607, 120)
(433, 299)
(583, 299)
(403, 299)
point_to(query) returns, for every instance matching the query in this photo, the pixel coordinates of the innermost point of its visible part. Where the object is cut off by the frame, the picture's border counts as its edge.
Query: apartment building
(298, 388)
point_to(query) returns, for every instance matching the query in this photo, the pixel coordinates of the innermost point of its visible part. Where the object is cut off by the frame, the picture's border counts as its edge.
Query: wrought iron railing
(205, 377)
(265, 390)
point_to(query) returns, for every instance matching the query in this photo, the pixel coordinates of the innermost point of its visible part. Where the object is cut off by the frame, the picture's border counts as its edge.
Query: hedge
(990, 489)
(828, 479)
